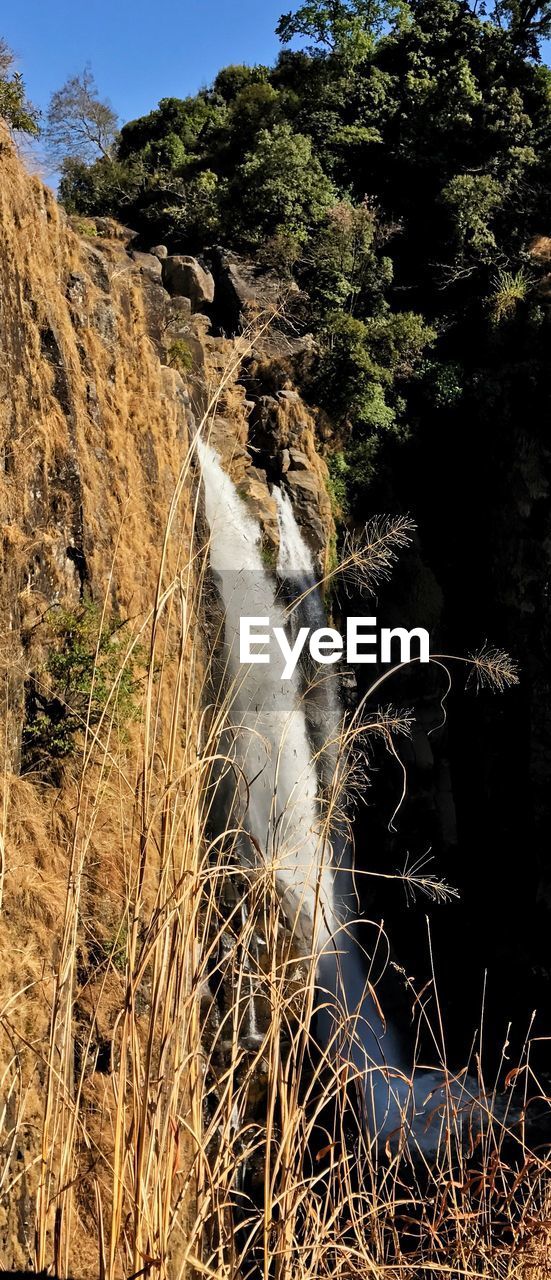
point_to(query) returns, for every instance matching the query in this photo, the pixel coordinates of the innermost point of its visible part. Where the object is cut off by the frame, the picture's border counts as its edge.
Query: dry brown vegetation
(159, 1135)
(147, 1127)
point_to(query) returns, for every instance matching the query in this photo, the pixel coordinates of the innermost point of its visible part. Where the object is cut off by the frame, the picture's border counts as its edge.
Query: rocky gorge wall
(108, 358)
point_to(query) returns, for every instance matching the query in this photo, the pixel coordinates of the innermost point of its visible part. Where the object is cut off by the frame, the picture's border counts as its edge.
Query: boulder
(147, 262)
(242, 291)
(160, 251)
(186, 277)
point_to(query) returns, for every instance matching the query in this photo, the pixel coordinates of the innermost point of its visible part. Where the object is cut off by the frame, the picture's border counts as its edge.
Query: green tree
(528, 21)
(182, 118)
(343, 268)
(472, 200)
(15, 107)
(106, 188)
(280, 184)
(343, 27)
(364, 363)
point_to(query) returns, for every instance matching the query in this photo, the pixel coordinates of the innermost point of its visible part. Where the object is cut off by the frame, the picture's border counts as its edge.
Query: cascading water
(268, 740)
(273, 723)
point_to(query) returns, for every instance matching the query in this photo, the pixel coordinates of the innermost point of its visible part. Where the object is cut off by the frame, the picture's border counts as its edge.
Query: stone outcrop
(148, 263)
(246, 293)
(265, 439)
(184, 276)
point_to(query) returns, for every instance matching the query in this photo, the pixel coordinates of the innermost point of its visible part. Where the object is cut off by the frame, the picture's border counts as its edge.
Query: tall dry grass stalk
(213, 1137)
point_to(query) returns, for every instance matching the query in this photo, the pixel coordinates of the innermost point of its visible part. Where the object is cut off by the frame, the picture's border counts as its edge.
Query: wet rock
(254, 490)
(304, 489)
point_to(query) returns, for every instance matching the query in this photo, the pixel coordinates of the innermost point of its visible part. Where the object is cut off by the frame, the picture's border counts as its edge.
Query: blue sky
(139, 51)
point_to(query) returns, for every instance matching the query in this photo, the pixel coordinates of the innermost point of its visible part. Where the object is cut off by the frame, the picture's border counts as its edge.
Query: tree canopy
(396, 162)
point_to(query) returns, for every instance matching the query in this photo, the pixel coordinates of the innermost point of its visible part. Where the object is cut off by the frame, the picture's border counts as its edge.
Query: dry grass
(189, 1125)
(165, 1108)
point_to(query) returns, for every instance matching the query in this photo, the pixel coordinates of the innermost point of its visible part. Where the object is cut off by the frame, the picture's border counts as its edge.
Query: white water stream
(270, 743)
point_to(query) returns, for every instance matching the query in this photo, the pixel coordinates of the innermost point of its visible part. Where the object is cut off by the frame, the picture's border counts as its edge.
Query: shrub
(280, 253)
(510, 288)
(361, 360)
(473, 200)
(179, 356)
(337, 483)
(85, 674)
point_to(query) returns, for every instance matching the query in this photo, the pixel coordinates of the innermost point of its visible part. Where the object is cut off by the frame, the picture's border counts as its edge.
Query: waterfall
(268, 739)
(276, 732)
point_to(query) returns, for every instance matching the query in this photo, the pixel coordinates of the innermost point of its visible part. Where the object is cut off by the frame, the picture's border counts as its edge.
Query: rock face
(266, 438)
(244, 292)
(107, 363)
(185, 276)
(93, 435)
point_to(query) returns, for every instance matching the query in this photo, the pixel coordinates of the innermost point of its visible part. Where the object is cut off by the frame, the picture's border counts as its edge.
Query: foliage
(268, 553)
(363, 361)
(280, 252)
(15, 107)
(184, 119)
(510, 289)
(338, 472)
(343, 264)
(344, 27)
(87, 673)
(179, 356)
(106, 187)
(280, 183)
(473, 200)
(396, 165)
